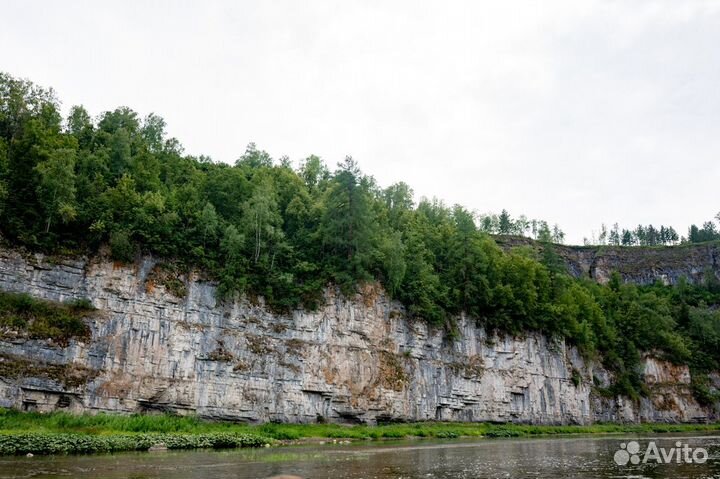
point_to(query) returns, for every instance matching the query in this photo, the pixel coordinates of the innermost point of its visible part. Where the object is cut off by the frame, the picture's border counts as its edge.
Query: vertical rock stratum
(157, 347)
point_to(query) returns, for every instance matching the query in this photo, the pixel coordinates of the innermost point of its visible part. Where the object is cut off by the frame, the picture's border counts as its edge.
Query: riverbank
(62, 433)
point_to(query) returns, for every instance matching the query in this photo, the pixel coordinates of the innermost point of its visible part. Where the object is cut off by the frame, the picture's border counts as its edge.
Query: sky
(577, 112)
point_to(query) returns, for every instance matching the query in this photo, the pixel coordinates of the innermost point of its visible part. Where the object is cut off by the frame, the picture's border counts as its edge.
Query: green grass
(452, 430)
(66, 433)
(62, 433)
(69, 443)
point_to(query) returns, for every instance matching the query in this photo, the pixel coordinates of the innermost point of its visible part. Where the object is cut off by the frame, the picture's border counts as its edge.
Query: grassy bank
(15, 442)
(61, 433)
(453, 430)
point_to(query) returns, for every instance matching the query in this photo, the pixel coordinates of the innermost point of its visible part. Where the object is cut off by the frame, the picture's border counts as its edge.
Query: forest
(262, 228)
(649, 235)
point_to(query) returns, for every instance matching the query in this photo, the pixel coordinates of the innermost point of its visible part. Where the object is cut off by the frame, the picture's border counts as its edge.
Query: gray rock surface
(352, 360)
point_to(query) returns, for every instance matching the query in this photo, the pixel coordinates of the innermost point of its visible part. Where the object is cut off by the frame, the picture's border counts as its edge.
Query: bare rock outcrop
(157, 345)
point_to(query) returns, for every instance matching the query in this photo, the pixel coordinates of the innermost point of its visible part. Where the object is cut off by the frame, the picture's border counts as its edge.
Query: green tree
(56, 186)
(399, 203)
(262, 221)
(391, 255)
(421, 289)
(505, 223)
(468, 265)
(254, 158)
(208, 223)
(627, 238)
(153, 132)
(120, 118)
(122, 247)
(347, 222)
(233, 275)
(3, 175)
(79, 124)
(314, 172)
(20, 102)
(544, 233)
(120, 151)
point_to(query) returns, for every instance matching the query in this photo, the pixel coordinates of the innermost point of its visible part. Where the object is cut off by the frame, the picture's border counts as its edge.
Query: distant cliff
(160, 344)
(639, 265)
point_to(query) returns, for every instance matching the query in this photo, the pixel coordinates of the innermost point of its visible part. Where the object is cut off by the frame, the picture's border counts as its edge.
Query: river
(557, 458)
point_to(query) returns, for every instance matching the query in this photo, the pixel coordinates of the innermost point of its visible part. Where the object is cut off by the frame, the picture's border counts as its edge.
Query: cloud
(577, 112)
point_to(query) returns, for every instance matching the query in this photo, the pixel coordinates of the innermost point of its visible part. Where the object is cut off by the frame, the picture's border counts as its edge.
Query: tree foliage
(639, 236)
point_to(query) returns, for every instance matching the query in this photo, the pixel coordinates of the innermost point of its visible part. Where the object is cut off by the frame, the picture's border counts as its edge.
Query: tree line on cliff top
(649, 235)
(262, 228)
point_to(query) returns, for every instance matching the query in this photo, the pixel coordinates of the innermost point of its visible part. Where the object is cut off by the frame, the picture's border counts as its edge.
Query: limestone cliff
(639, 265)
(171, 346)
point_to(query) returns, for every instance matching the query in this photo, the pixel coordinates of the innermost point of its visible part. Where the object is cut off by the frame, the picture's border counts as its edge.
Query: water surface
(557, 458)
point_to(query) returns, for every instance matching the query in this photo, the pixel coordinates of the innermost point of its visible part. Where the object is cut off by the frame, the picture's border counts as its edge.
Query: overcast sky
(576, 112)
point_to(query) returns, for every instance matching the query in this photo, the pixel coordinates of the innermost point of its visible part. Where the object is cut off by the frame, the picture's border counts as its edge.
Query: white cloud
(578, 112)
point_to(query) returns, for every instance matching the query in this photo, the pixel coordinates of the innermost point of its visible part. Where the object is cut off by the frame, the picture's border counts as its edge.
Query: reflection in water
(557, 458)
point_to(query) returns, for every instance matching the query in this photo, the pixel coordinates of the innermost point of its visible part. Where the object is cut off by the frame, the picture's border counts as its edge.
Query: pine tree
(346, 225)
(505, 223)
(627, 238)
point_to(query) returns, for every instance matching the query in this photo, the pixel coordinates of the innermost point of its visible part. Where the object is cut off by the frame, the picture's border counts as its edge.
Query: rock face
(645, 265)
(639, 265)
(353, 360)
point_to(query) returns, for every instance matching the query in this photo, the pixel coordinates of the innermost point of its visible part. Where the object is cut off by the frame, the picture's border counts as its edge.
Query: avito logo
(681, 453)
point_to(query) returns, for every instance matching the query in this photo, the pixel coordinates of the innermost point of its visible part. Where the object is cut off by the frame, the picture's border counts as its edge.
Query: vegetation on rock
(21, 314)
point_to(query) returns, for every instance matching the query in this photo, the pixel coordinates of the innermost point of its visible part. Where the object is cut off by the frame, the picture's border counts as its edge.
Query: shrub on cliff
(24, 315)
